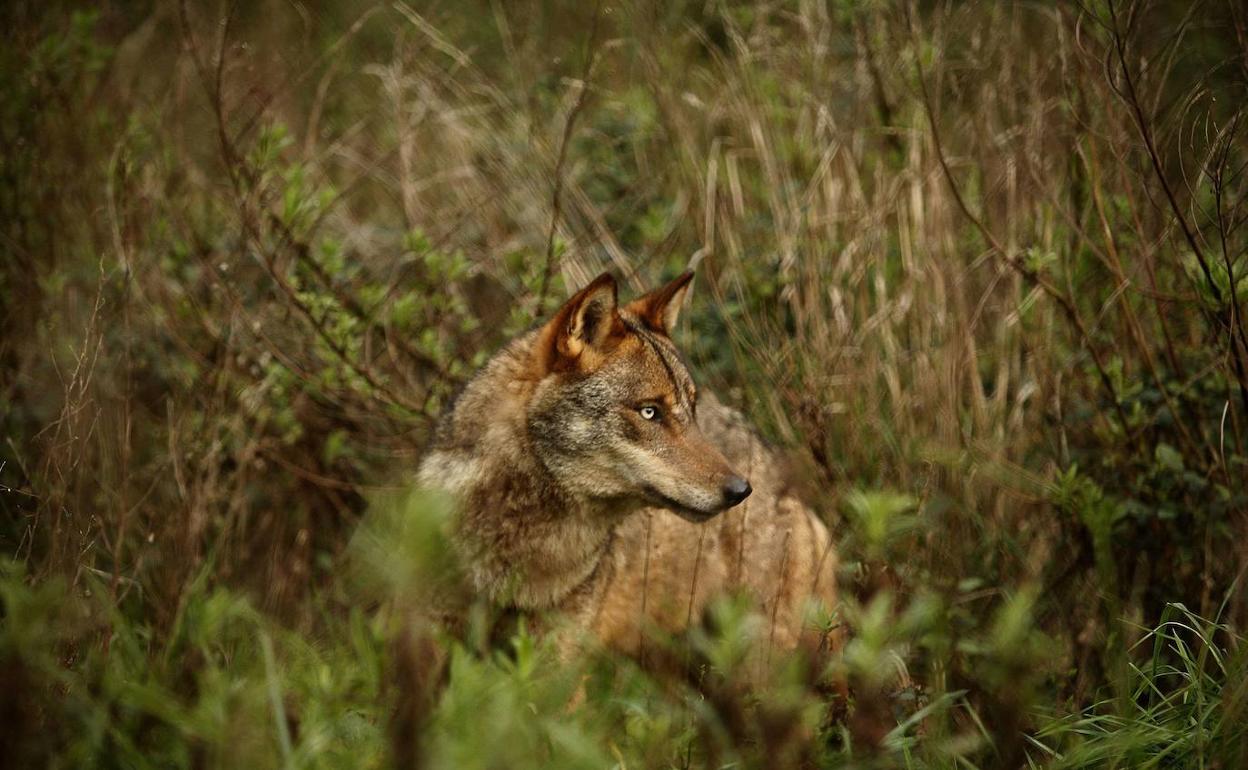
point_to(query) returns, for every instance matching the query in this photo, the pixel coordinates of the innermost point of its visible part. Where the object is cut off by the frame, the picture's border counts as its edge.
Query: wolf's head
(613, 415)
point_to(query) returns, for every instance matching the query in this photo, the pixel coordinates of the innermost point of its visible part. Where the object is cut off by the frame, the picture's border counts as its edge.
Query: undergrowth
(977, 267)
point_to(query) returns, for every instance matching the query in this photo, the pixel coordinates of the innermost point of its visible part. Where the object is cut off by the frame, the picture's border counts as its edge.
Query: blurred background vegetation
(978, 266)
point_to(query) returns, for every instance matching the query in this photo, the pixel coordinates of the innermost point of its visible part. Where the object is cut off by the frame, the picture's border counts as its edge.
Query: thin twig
(591, 56)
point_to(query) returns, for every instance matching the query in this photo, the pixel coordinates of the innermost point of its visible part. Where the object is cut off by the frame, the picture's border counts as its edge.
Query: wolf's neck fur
(525, 540)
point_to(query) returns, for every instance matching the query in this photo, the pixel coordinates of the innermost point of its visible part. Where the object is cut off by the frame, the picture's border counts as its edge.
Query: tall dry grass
(978, 265)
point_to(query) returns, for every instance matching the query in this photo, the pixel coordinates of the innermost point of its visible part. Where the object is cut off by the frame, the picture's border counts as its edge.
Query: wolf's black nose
(736, 489)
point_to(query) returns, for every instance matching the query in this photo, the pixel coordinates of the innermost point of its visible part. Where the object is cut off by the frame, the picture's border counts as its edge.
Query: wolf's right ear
(584, 326)
(660, 308)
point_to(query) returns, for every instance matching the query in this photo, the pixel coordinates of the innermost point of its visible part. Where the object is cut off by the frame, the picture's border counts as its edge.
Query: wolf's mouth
(695, 515)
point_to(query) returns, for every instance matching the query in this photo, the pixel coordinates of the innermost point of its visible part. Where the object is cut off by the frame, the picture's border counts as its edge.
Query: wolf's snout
(735, 490)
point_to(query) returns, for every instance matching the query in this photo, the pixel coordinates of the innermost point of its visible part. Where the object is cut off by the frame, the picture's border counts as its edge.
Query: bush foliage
(978, 266)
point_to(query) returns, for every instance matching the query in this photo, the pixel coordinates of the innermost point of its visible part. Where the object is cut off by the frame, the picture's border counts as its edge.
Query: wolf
(592, 478)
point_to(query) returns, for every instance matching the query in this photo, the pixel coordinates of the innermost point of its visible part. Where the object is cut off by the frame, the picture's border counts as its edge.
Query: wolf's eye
(649, 412)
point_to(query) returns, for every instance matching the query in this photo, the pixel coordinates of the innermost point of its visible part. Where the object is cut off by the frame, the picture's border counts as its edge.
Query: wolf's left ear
(660, 308)
(585, 323)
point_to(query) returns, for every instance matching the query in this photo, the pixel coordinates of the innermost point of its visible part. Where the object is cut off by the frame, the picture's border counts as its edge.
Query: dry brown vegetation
(979, 265)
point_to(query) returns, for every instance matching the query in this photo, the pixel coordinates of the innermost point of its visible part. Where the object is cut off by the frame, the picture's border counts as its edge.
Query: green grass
(977, 268)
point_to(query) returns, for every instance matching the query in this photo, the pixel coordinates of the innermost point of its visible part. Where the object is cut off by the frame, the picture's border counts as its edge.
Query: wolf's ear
(585, 323)
(660, 308)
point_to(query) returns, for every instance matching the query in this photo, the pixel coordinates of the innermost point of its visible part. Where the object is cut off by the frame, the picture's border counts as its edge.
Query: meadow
(978, 268)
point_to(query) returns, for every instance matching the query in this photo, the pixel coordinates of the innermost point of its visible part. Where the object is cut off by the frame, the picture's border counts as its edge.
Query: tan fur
(557, 471)
(664, 570)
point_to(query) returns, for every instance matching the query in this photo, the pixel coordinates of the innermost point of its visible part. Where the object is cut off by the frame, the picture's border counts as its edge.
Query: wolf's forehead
(656, 364)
